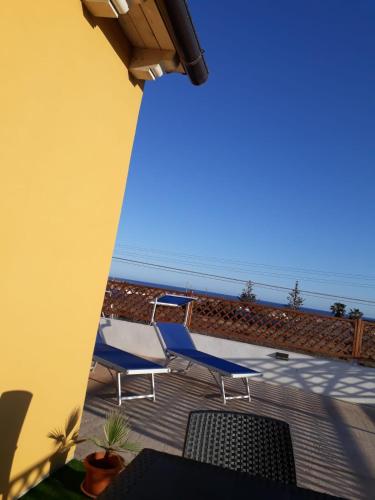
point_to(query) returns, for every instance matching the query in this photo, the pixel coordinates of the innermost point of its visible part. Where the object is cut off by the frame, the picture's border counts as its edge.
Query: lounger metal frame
(119, 371)
(218, 375)
(156, 303)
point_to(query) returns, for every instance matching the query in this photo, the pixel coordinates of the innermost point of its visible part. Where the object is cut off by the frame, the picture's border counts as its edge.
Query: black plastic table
(154, 475)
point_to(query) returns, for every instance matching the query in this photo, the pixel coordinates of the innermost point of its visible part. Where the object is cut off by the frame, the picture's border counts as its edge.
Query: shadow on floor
(333, 441)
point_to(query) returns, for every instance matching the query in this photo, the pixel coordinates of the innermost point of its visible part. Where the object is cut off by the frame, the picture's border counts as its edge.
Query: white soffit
(122, 6)
(101, 8)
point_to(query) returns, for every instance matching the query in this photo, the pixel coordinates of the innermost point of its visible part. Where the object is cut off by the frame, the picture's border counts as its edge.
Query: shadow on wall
(13, 409)
(14, 406)
(65, 438)
(112, 31)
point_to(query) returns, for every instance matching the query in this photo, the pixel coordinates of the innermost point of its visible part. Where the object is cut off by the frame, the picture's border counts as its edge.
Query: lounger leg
(153, 387)
(223, 390)
(176, 370)
(169, 360)
(119, 398)
(248, 388)
(219, 379)
(188, 366)
(110, 371)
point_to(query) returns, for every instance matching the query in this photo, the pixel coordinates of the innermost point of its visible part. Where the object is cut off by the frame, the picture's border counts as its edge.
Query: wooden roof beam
(149, 64)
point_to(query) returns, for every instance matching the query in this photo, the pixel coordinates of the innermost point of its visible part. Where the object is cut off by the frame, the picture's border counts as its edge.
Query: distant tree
(338, 309)
(295, 300)
(247, 294)
(355, 314)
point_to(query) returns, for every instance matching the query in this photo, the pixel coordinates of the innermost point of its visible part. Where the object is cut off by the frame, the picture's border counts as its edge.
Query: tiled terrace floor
(334, 441)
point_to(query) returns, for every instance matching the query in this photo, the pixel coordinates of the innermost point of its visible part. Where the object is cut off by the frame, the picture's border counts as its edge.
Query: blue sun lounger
(124, 363)
(177, 342)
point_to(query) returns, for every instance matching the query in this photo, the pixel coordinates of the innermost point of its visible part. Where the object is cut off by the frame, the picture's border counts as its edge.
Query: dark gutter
(176, 16)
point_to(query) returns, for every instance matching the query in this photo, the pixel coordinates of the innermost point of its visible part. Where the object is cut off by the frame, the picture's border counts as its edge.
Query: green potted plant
(102, 466)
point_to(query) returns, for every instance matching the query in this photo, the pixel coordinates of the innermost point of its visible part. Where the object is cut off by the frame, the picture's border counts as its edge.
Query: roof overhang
(162, 36)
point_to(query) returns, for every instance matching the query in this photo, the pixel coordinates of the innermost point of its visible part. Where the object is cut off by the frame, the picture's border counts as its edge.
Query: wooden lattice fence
(274, 327)
(368, 341)
(248, 322)
(133, 303)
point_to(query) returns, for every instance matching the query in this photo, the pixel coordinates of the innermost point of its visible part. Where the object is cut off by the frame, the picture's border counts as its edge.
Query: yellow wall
(68, 113)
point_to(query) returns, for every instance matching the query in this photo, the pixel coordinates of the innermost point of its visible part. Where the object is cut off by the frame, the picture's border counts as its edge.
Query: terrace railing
(367, 343)
(275, 327)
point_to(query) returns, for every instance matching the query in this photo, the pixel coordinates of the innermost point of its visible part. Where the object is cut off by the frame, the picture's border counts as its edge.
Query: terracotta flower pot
(100, 471)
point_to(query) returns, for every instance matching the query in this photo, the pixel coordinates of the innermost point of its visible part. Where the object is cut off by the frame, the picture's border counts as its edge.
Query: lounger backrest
(175, 336)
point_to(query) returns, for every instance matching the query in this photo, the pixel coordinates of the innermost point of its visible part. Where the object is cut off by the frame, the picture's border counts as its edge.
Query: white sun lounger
(124, 363)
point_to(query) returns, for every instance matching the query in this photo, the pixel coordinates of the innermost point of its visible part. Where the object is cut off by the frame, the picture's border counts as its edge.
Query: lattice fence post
(357, 340)
(190, 314)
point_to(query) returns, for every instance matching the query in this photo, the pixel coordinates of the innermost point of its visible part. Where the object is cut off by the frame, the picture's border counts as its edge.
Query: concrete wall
(338, 379)
(68, 117)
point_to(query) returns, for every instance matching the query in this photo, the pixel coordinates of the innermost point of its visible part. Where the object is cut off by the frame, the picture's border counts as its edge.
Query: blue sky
(270, 163)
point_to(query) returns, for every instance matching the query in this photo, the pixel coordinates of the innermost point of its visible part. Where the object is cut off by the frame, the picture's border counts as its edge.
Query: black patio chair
(244, 442)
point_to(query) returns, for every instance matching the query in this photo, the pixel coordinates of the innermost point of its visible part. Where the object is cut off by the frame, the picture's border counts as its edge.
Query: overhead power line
(238, 280)
(230, 269)
(246, 264)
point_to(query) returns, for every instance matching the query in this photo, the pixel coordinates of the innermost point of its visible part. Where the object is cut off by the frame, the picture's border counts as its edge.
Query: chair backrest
(242, 441)
(175, 336)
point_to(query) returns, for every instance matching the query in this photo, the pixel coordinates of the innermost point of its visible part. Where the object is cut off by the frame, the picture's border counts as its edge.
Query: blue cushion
(175, 336)
(122, 359)
(174, 299)
(218, 364)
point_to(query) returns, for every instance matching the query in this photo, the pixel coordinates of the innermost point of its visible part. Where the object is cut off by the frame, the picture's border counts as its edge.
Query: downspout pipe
(176, 16)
